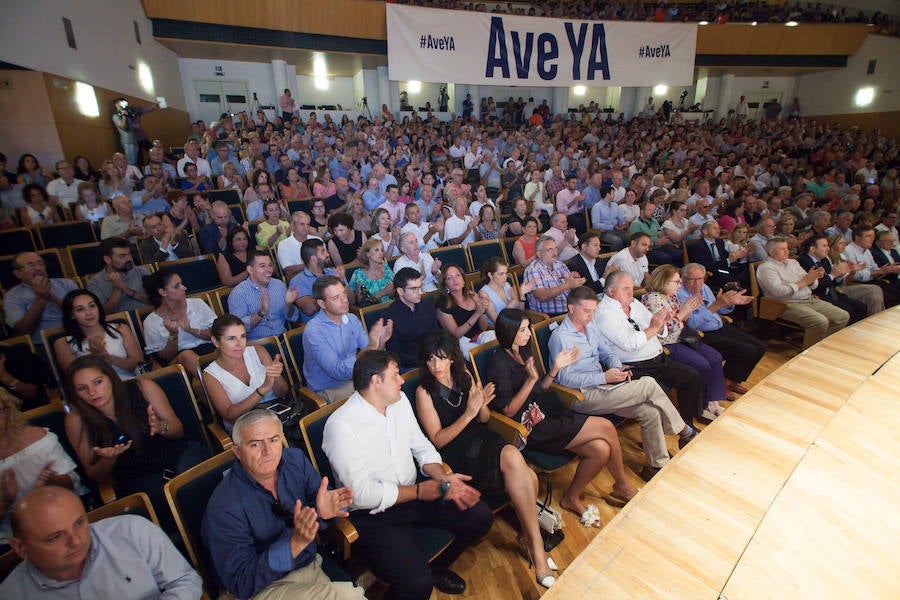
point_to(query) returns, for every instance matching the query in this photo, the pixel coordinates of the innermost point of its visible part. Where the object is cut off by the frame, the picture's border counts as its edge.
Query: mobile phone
(168, 474)
(279, 409)
(123, 439)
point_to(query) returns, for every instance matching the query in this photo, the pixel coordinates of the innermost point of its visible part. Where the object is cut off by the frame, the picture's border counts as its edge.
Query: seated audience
(522, 395)
(332, 339)
(24, 374)
(318, 215)
(231, 264)
(765, 230)
(124, 223)
(152, 198)
(242, 376)
(660, 250)
(382, 465)
(587, 262)
(385, 232)
(453, 410)
(632, 332)
(177, 331)
(427, 233)
(274, 228)
(566, 239)
(633, 259)
(125, 556)
(524, 252)
(814, 253)
(213, 236)
(262, 302)
(725, 266)
(608, 389)
(605, 216)
(180, 217)
(34, 304)
(316, 259)
(90, 207)
(261, 522)
(125, 432)
(64, 189)
(164, 243)
(38, 209)
(412, 318)
(662, 288)
(740, 350)
(88, 332)
(346, 241)
(120, 285)
(885, 277)
(414, 258)
(783, 279)
(552, 279)
(288, 251)
(30, 457)
(497, 289)
(461, 311)
(372, 282)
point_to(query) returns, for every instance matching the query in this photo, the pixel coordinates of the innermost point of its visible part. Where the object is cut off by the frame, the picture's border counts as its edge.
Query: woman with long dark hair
(453, 411)
(88, 332)
(461, 311)
(522, 395)
(231, 264)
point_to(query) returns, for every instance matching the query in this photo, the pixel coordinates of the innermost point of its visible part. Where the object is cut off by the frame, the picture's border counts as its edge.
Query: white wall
(340, 91)
(597, 94)
(107, 56)
(832, 93)
(742, 86)
(259, 78)
(430, 92)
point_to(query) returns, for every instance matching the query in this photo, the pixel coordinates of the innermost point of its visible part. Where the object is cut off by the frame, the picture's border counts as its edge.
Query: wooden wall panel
(95, 137)
(366, 19)
(27, 123)
(887, 122)
(347, 18)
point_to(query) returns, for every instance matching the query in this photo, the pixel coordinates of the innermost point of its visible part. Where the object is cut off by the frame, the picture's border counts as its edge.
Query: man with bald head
(212, 236)
(65, 556)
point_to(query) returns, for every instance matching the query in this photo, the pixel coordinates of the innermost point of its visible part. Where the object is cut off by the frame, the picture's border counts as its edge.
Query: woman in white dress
(30, 457)
(242, 376)
(88, 332)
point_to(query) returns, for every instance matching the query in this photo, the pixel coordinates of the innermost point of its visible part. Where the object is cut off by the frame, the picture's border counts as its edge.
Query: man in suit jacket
(884, 251)
(815, 254)
(587, 264)
(710, 252)
(163, 245)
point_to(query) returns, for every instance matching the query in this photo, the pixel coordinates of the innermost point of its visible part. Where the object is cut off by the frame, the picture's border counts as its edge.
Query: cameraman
(132, 136)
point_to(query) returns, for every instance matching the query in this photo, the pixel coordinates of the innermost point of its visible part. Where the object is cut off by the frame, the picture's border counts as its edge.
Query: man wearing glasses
(64, 189)
(552, 278)
(34, 304)
(412, 318)
(631, 330)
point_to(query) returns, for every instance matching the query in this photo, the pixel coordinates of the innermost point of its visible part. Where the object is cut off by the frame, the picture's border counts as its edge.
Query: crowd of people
(742, 11)
(685, 212)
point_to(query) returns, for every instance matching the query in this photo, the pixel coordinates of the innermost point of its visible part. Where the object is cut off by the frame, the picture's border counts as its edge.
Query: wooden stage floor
(792, 493)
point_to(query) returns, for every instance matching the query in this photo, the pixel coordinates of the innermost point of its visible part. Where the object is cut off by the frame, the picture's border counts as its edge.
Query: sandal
(591, 517)
(614, 499)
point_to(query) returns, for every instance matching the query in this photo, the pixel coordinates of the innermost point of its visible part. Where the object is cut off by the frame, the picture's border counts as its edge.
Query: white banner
(426, 44)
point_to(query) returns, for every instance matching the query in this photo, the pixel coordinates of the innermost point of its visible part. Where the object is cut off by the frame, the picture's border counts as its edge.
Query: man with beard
(119, 286)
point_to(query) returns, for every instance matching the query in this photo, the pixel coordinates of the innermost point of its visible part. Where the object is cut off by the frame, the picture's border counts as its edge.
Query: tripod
(364, 110)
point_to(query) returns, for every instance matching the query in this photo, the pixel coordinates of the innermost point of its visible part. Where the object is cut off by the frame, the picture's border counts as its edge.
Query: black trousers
(856, 308)
(387, 542)
(740, 350)
(670, 374)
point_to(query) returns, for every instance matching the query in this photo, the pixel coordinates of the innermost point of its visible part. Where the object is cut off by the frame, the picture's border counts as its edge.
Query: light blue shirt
(702, 319)
(304, 281)
(330, 350)
(20, 297)
(372, 199)
(591, 198)
(244, 302)
(604, 216)
(595, 355)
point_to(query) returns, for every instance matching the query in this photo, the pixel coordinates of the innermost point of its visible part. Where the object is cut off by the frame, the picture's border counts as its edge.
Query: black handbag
(690, 337)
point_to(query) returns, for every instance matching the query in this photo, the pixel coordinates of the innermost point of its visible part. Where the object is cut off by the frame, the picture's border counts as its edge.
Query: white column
(384, 92)
(626, 102)
(475, 90)
(394, 104)
(279, 73)
(560, 100)
(461, 90)
(726, 84)
(640, 99)
(290, 74)
(371, 91)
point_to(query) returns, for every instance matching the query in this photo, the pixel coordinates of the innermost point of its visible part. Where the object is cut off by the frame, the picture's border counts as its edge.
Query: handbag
(548, 518)
(690, 337)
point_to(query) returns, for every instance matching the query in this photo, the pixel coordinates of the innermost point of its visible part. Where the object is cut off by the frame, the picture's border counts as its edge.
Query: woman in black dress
(522, 395)
(453, 411)
(232, 263)
(346, 242)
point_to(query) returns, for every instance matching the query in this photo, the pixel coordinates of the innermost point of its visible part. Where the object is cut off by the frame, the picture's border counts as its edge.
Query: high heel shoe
(543, 580)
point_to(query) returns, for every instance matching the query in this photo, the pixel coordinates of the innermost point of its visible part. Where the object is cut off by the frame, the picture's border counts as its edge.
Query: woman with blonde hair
(30, 457)
(90, 206)
(386, 234)
(662, 287)
(372, 282)
(230, 179)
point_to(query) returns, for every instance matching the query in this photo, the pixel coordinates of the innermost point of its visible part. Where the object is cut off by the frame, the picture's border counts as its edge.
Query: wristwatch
(261, 314)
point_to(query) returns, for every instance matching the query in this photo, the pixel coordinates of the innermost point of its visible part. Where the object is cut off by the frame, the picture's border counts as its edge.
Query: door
(217, 96)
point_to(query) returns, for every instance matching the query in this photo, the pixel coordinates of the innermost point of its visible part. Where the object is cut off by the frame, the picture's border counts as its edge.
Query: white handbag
(548, 518)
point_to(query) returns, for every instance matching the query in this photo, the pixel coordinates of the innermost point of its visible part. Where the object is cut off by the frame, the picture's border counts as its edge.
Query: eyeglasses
(633, 324)
(283, 513)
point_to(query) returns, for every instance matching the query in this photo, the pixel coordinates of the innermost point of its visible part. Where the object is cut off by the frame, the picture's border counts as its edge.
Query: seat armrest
(770, 309)
(508, 429)
(310, 399)
(220, 435)
(106, 491)
(340, 534)
(568, 395)
(535, 316)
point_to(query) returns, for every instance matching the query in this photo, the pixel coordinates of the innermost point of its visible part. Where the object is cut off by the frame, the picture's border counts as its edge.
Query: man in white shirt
(288, 249)
(374, 445)
(633, 259)
(566, 238)
(192, 155)
(460, 227)
(64, 189)
(741, 109)
(860, 251)
(784, 279)
(427, 234)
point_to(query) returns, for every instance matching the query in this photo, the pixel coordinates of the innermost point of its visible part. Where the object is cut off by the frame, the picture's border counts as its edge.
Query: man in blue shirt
(315, 256)
(223, 155)
(605, 215)
(740, 350)
(34, 304)
(373, 197)
(264, 304)
(608, 387)
(333, 338)
(261, 521)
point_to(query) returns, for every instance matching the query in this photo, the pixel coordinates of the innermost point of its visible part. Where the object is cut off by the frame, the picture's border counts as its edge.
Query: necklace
(450, 391)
